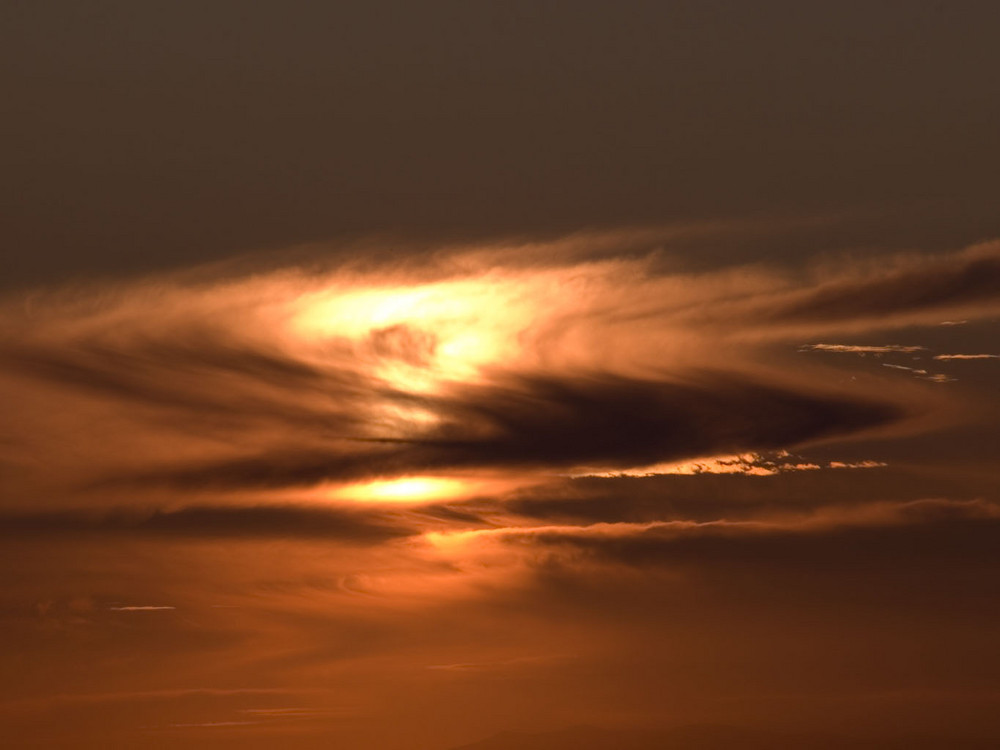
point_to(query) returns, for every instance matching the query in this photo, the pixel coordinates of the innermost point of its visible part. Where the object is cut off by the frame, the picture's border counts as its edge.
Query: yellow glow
(458, 327)
(428, 489)
(407, 490)
(450, 541)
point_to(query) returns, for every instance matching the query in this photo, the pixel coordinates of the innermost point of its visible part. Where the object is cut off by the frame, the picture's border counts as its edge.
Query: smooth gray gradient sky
(149, 135)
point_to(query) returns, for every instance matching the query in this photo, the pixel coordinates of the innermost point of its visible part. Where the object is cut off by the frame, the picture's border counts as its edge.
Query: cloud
(716, 737)
(473, 360)
(87, 700)
(213, 724)
(938, 532)
(705, 497)
(193, 442)
(867, 464)
(515, 662)
(818, 520)
(559, 423)
(967, 356)
(747, 464)
(855, 349)
(241, 521)
(917, 285)
(197, 377)
(142, 608)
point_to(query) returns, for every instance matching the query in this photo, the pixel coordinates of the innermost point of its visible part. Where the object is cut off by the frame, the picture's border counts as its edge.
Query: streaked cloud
(856, 349)
(384, 483)
(141, 608)
(748, 464)
(966, 356)
(292, 379)
(219, 521)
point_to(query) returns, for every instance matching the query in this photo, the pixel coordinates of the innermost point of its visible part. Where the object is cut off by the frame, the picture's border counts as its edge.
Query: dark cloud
(712, 737)
(549, 422)
(708, 497)
(932, 283)
(195, 374)
(248, 521)
(917, 541)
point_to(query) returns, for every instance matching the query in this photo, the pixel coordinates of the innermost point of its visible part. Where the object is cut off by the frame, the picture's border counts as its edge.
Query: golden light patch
(420, 337)
(444, 331)
(408, 490)
(450, 541)
(430, 489)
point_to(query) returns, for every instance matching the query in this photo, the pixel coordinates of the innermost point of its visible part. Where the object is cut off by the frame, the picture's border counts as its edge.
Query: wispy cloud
(361, 526)
(141, 608)
(859, 349)
(517, 662)
(911, 288)
(549, 424)
(966, 356)
(747, 464)
(469, 362)
(818, 521)
(213, 724)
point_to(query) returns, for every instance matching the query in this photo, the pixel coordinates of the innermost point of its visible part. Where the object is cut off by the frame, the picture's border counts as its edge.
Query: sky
(422, 376)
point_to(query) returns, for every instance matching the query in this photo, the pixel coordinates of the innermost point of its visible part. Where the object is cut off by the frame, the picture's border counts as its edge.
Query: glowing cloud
(967, 356)
(405, 490)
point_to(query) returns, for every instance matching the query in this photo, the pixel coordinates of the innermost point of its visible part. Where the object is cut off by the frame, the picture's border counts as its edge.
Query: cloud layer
(554, 482)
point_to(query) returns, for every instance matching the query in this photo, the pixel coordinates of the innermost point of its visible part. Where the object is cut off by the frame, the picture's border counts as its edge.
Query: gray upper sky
(150, 135)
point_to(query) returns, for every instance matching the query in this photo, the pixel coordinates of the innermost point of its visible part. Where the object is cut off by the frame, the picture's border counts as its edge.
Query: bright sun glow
(419, 338)
(453, 324)
(427, 489)
(407, 490)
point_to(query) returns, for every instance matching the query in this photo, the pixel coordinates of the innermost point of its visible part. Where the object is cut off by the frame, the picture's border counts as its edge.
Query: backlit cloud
(291, 378)
(483, 466)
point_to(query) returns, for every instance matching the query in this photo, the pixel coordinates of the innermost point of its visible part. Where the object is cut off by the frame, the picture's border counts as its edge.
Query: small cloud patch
(143, 608)
(853, 349)
(966, 356)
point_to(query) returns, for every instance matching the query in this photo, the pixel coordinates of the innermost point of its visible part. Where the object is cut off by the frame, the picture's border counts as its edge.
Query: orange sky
(666, 407)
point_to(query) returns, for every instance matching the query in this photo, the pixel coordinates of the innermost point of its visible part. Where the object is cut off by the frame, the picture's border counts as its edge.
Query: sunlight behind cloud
(408, 490)
(419, 336)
